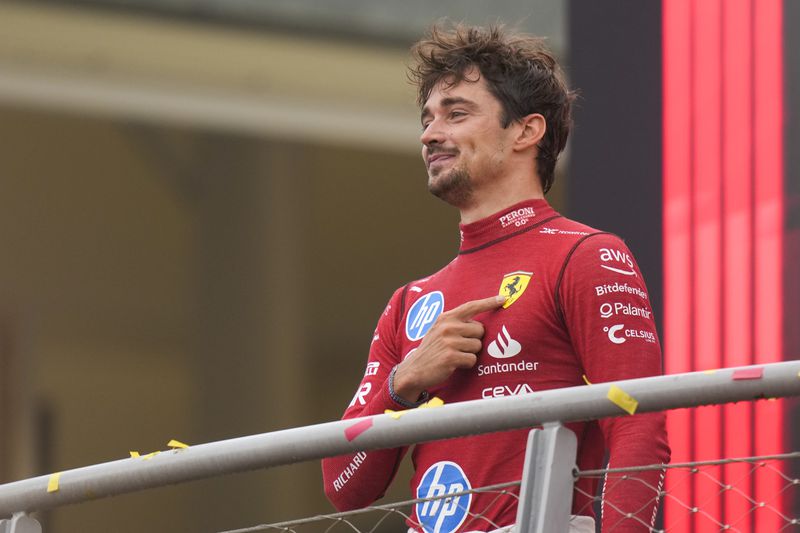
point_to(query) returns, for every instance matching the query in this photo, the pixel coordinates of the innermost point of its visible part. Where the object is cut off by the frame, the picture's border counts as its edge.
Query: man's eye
(457, 114)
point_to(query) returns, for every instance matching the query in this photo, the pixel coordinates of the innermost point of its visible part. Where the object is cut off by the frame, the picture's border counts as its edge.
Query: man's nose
(432, 134)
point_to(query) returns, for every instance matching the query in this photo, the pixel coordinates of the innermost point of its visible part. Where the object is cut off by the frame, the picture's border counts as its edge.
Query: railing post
(20, 523)
(545, 498)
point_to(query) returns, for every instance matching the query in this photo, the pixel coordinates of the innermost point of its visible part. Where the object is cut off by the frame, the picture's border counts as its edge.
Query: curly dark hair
(519, 70)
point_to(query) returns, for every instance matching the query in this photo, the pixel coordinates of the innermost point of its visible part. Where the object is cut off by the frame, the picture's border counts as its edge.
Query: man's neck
(485, 203)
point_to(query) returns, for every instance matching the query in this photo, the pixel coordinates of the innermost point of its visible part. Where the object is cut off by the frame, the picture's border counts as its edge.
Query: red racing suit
(579, 307)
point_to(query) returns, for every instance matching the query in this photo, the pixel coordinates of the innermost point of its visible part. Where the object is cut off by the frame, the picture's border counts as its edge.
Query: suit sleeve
(608, 314)
(356, 480)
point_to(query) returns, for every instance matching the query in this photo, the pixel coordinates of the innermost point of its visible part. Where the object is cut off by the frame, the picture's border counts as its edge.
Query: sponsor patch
(554, 231)
(342, 479)
(608, 309)
(609, 288)
(518, 217)
(423, 314)
(618, 334)
(513, 285)
(372, 368)
(504, 346)
(506, 390)
(361, 394)
(443, 515)
(620, 262)
(502, 368)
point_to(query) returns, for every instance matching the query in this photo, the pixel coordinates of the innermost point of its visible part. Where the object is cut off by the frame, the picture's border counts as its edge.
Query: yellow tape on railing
(622, 399)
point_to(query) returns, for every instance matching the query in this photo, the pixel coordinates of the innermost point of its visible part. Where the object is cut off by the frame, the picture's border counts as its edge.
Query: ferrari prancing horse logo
(513, 285)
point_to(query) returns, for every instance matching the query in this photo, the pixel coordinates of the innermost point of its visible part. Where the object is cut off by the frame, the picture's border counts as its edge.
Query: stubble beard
(453, 187)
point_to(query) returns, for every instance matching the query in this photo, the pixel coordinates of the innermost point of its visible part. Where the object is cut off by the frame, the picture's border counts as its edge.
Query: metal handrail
(399, 429)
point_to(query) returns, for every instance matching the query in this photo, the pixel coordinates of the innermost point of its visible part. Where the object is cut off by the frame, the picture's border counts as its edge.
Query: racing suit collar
(505, 223)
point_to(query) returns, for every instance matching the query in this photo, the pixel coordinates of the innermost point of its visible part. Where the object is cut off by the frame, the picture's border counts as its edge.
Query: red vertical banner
(707, 252)
(768, 252)
(737, 200)
(677, 238)
(723, 247)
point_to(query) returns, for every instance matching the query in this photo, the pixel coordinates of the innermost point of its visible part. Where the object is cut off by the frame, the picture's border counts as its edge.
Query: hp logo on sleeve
(423, 314)
(443, 515)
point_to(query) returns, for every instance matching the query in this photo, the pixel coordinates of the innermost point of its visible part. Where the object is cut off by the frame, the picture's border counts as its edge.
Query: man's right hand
(453, 342)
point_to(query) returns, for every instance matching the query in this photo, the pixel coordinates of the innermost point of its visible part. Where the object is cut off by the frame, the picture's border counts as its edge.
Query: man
(572, 305)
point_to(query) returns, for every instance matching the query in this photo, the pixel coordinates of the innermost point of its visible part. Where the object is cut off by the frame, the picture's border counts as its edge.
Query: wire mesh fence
(723, 495)
(398, 516)
(729, 502)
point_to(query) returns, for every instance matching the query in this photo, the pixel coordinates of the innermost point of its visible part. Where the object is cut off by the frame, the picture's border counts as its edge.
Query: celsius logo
(504, 347)
(443, 515)
(612, 333)
(647, 336)
(422, 315)
(612, 255)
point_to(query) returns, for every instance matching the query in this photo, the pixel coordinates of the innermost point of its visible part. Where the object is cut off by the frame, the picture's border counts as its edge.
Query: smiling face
(464, 146)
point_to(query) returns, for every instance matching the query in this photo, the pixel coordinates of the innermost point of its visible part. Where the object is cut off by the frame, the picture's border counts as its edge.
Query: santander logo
(504, 346)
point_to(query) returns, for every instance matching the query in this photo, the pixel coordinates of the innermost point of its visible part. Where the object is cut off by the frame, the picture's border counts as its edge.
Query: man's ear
(532, 130)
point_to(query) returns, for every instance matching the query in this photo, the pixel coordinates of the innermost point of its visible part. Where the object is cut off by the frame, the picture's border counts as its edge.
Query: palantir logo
(443, 515)
(423, 314)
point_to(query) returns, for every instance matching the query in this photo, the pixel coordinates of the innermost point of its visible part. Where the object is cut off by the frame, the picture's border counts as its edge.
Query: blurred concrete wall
(200, 227)
(228, 293)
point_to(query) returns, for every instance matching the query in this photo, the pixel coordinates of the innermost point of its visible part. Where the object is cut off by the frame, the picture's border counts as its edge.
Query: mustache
(435, 150)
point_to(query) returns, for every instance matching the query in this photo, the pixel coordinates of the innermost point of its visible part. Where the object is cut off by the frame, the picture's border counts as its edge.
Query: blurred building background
(204, 206)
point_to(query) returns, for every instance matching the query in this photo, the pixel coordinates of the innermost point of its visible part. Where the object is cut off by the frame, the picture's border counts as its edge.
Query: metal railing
(694, 510)
(550, 408)
(394, 516)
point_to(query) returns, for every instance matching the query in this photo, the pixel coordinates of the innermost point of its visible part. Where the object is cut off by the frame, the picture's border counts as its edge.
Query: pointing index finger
(469, 309)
